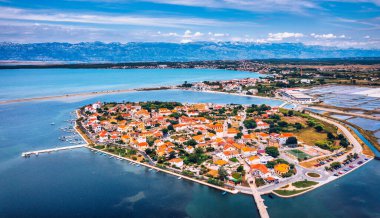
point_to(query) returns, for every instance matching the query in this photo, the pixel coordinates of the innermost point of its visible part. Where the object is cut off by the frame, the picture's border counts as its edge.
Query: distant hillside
(197, 51)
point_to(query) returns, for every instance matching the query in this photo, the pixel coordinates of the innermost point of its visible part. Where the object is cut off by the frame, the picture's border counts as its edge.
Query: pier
(258, 199)
(30, 153)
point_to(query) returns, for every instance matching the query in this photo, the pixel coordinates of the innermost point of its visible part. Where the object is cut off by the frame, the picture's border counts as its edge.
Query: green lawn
(299, 154)
(289, 192)
(234, 159)
(304, 184)
(315, 175)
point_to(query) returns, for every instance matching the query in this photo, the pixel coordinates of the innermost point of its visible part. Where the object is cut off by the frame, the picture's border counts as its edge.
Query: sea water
(26, 83)
(80, 183)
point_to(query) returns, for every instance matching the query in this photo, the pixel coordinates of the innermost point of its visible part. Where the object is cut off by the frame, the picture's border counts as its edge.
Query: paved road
(357, 148)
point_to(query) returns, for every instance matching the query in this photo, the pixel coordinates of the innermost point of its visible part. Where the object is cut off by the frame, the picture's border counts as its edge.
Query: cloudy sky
(343, 23)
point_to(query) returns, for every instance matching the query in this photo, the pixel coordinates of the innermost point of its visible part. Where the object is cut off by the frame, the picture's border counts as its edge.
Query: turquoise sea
(23, 83)
(80, 183)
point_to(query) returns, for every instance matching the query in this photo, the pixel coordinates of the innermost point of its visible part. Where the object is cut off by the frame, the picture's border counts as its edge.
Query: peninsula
(239, 148)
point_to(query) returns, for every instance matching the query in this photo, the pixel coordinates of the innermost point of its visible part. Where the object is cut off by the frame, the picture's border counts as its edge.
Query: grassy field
(299, 154)
(294, 119)
(289, 192)
(304, 184)
(310, 136)
(315, 175)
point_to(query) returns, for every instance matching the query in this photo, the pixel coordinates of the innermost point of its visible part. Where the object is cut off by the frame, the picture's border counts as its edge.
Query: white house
(178, 162)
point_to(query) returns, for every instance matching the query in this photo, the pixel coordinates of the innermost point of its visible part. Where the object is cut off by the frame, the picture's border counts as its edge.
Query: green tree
(319, 128)
(165, 131)
(191, 142)
(222, 173)
(344, 143)
(272, 151)
(240, 168)
(238, 135)
(291, 140)
(270, 164)
(330, 136)
(310, 123)
(249, 124)
(335, 165)
(282, 124)
(298, 126)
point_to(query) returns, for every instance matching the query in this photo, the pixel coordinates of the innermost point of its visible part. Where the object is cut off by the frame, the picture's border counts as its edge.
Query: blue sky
(343, 23)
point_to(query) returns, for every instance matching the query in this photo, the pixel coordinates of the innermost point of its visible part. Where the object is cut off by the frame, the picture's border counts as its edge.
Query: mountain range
(91, 52)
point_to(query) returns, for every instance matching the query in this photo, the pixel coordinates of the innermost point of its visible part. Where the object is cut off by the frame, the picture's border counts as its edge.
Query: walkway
(258, 199)
(29, 153)
(256, 195)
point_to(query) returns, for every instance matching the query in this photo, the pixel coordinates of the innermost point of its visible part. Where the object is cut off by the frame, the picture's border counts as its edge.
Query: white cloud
(198, 34)
(188, 34)
(220, 34)
(54, 16)
(284, 35)
(367, 37)
(327, 36)
(246, 5)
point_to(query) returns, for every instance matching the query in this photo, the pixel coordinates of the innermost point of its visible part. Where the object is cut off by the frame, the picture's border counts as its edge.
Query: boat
(179, 177)
(224, 193)
(52, 123)
(150, 169)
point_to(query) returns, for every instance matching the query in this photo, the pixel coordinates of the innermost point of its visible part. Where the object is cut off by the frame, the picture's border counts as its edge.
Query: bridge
(256, 195)
(30, 153)
(258, 199)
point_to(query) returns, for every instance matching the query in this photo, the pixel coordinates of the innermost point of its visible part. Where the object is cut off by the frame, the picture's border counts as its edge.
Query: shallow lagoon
(26, 83)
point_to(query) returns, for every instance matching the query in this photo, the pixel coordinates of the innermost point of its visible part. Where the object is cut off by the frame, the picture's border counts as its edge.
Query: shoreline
(227, 93)
(329, 179)
(320, 184)
(83, 94)
(332, 178)
(110, 92)
(234, 191)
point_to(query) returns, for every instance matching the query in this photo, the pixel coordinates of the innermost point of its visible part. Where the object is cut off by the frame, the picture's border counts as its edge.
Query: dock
(30, 153)
(258, 199)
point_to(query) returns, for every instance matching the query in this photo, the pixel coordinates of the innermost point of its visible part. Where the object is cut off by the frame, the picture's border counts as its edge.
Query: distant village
(266, 87)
